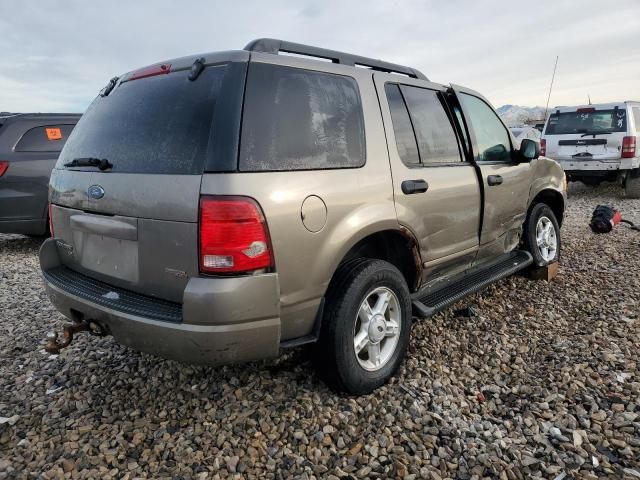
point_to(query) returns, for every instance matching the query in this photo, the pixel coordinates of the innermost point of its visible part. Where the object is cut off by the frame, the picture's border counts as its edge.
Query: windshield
(158, 124)
(595, 121)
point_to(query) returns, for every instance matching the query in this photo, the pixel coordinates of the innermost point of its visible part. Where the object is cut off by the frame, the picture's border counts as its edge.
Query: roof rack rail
(274, 46)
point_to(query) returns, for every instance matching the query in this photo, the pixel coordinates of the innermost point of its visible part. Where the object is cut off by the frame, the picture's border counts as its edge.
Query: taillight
(50, 221)
(543, 147)
(4, 165)
(233, 236)
(586, 110)
(151, 71)
(628, 147)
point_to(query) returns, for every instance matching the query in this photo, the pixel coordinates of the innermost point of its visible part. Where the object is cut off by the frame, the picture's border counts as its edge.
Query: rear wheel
(542, 235)
(366, 326)
(632, 184)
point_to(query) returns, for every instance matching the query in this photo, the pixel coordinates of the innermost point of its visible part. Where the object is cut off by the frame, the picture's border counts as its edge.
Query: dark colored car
(29, 147)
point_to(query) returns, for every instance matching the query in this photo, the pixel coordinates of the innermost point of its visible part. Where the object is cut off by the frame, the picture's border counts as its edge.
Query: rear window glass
(565, 123)
(437, 141)
(158, 124)
(48, 138)
(297, 119)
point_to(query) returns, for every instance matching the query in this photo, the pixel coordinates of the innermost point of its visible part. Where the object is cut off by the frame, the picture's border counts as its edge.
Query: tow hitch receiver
(54, 345)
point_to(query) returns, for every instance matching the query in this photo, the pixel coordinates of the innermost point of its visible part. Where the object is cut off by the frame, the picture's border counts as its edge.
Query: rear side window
(636, 118)
(402, 129)
(492, 138)
(587, 120)
(48, 138)
(437, 140)
(160, 124)
(297, 119)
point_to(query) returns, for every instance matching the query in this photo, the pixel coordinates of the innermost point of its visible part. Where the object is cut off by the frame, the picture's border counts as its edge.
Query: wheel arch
(551, 197)
(397, 246)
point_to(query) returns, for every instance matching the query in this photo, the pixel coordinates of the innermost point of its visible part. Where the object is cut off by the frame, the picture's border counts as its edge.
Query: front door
(436, 192)
(506, 180)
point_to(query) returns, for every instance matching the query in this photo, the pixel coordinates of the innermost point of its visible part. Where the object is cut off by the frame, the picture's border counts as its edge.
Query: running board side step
(429, 301)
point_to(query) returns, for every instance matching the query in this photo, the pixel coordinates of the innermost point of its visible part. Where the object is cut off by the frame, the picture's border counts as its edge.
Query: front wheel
(366, 326)
(542, 235)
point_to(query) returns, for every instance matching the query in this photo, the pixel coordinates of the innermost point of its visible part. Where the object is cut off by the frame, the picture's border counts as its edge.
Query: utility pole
(546, 109)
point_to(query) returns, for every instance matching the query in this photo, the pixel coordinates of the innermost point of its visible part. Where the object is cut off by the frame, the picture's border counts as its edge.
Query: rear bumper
(575, 165)
(224, 320)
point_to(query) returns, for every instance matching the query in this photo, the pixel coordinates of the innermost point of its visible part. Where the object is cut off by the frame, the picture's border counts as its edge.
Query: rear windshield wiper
(101, 163)
(602, 132)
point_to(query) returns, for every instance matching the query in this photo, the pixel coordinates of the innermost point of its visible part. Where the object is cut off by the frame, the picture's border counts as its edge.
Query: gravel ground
(543, 383)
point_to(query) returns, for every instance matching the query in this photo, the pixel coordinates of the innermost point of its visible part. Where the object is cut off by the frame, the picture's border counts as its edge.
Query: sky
(57, 54)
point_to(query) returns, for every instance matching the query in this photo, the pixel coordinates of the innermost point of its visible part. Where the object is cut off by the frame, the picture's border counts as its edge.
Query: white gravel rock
(543, 383)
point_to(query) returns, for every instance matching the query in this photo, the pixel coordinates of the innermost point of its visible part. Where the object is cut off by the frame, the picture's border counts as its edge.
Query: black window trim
(53, 141)
(462, 128)
(320, 71)
(464, 162)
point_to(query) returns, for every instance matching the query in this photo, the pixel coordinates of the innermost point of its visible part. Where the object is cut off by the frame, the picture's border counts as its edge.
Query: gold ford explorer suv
(218, 208)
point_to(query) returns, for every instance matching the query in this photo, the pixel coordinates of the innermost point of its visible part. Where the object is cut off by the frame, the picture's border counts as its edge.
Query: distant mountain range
(516, 116)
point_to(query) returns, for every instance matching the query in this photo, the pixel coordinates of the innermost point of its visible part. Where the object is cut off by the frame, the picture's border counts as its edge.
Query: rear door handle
(494, 180)
(409, 187)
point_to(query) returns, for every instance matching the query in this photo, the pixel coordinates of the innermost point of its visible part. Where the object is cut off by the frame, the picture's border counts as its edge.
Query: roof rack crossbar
(275, 46)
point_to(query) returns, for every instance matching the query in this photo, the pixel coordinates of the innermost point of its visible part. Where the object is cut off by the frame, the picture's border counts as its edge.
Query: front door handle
(494, 180)
(409, 187)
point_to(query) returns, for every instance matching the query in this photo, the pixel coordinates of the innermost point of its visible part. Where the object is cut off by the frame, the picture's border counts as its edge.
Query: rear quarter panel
(359, 201)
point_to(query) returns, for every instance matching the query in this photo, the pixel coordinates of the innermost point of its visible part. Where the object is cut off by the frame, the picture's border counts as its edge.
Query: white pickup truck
(596, 142)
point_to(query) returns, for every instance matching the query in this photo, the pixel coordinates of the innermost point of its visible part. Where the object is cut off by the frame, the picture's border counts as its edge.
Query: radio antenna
(546, 109)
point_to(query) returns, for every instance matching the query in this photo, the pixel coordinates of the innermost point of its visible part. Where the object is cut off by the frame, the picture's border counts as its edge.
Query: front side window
(491, 135)
(48, 138)
(297, 119)
(437, 142)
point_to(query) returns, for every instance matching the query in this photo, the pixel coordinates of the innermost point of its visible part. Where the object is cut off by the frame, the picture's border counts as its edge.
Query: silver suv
(218, 208)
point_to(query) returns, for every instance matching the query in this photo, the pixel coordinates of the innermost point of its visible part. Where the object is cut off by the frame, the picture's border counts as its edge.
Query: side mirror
(529, 149)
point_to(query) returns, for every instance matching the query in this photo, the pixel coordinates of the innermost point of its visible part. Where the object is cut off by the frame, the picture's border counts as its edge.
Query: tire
(632, 184)
(335, 353)
(542, 214)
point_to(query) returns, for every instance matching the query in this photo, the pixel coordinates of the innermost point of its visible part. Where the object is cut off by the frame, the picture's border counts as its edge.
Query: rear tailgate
(134, 225)
(579, 147)
(142, 235)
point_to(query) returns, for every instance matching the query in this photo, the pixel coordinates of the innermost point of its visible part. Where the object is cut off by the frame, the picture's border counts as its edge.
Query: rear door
(436, 192)
(505, 181)
(134, 224)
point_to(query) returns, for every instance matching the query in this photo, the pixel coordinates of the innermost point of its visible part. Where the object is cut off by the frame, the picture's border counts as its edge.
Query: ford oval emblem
(96, 192)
